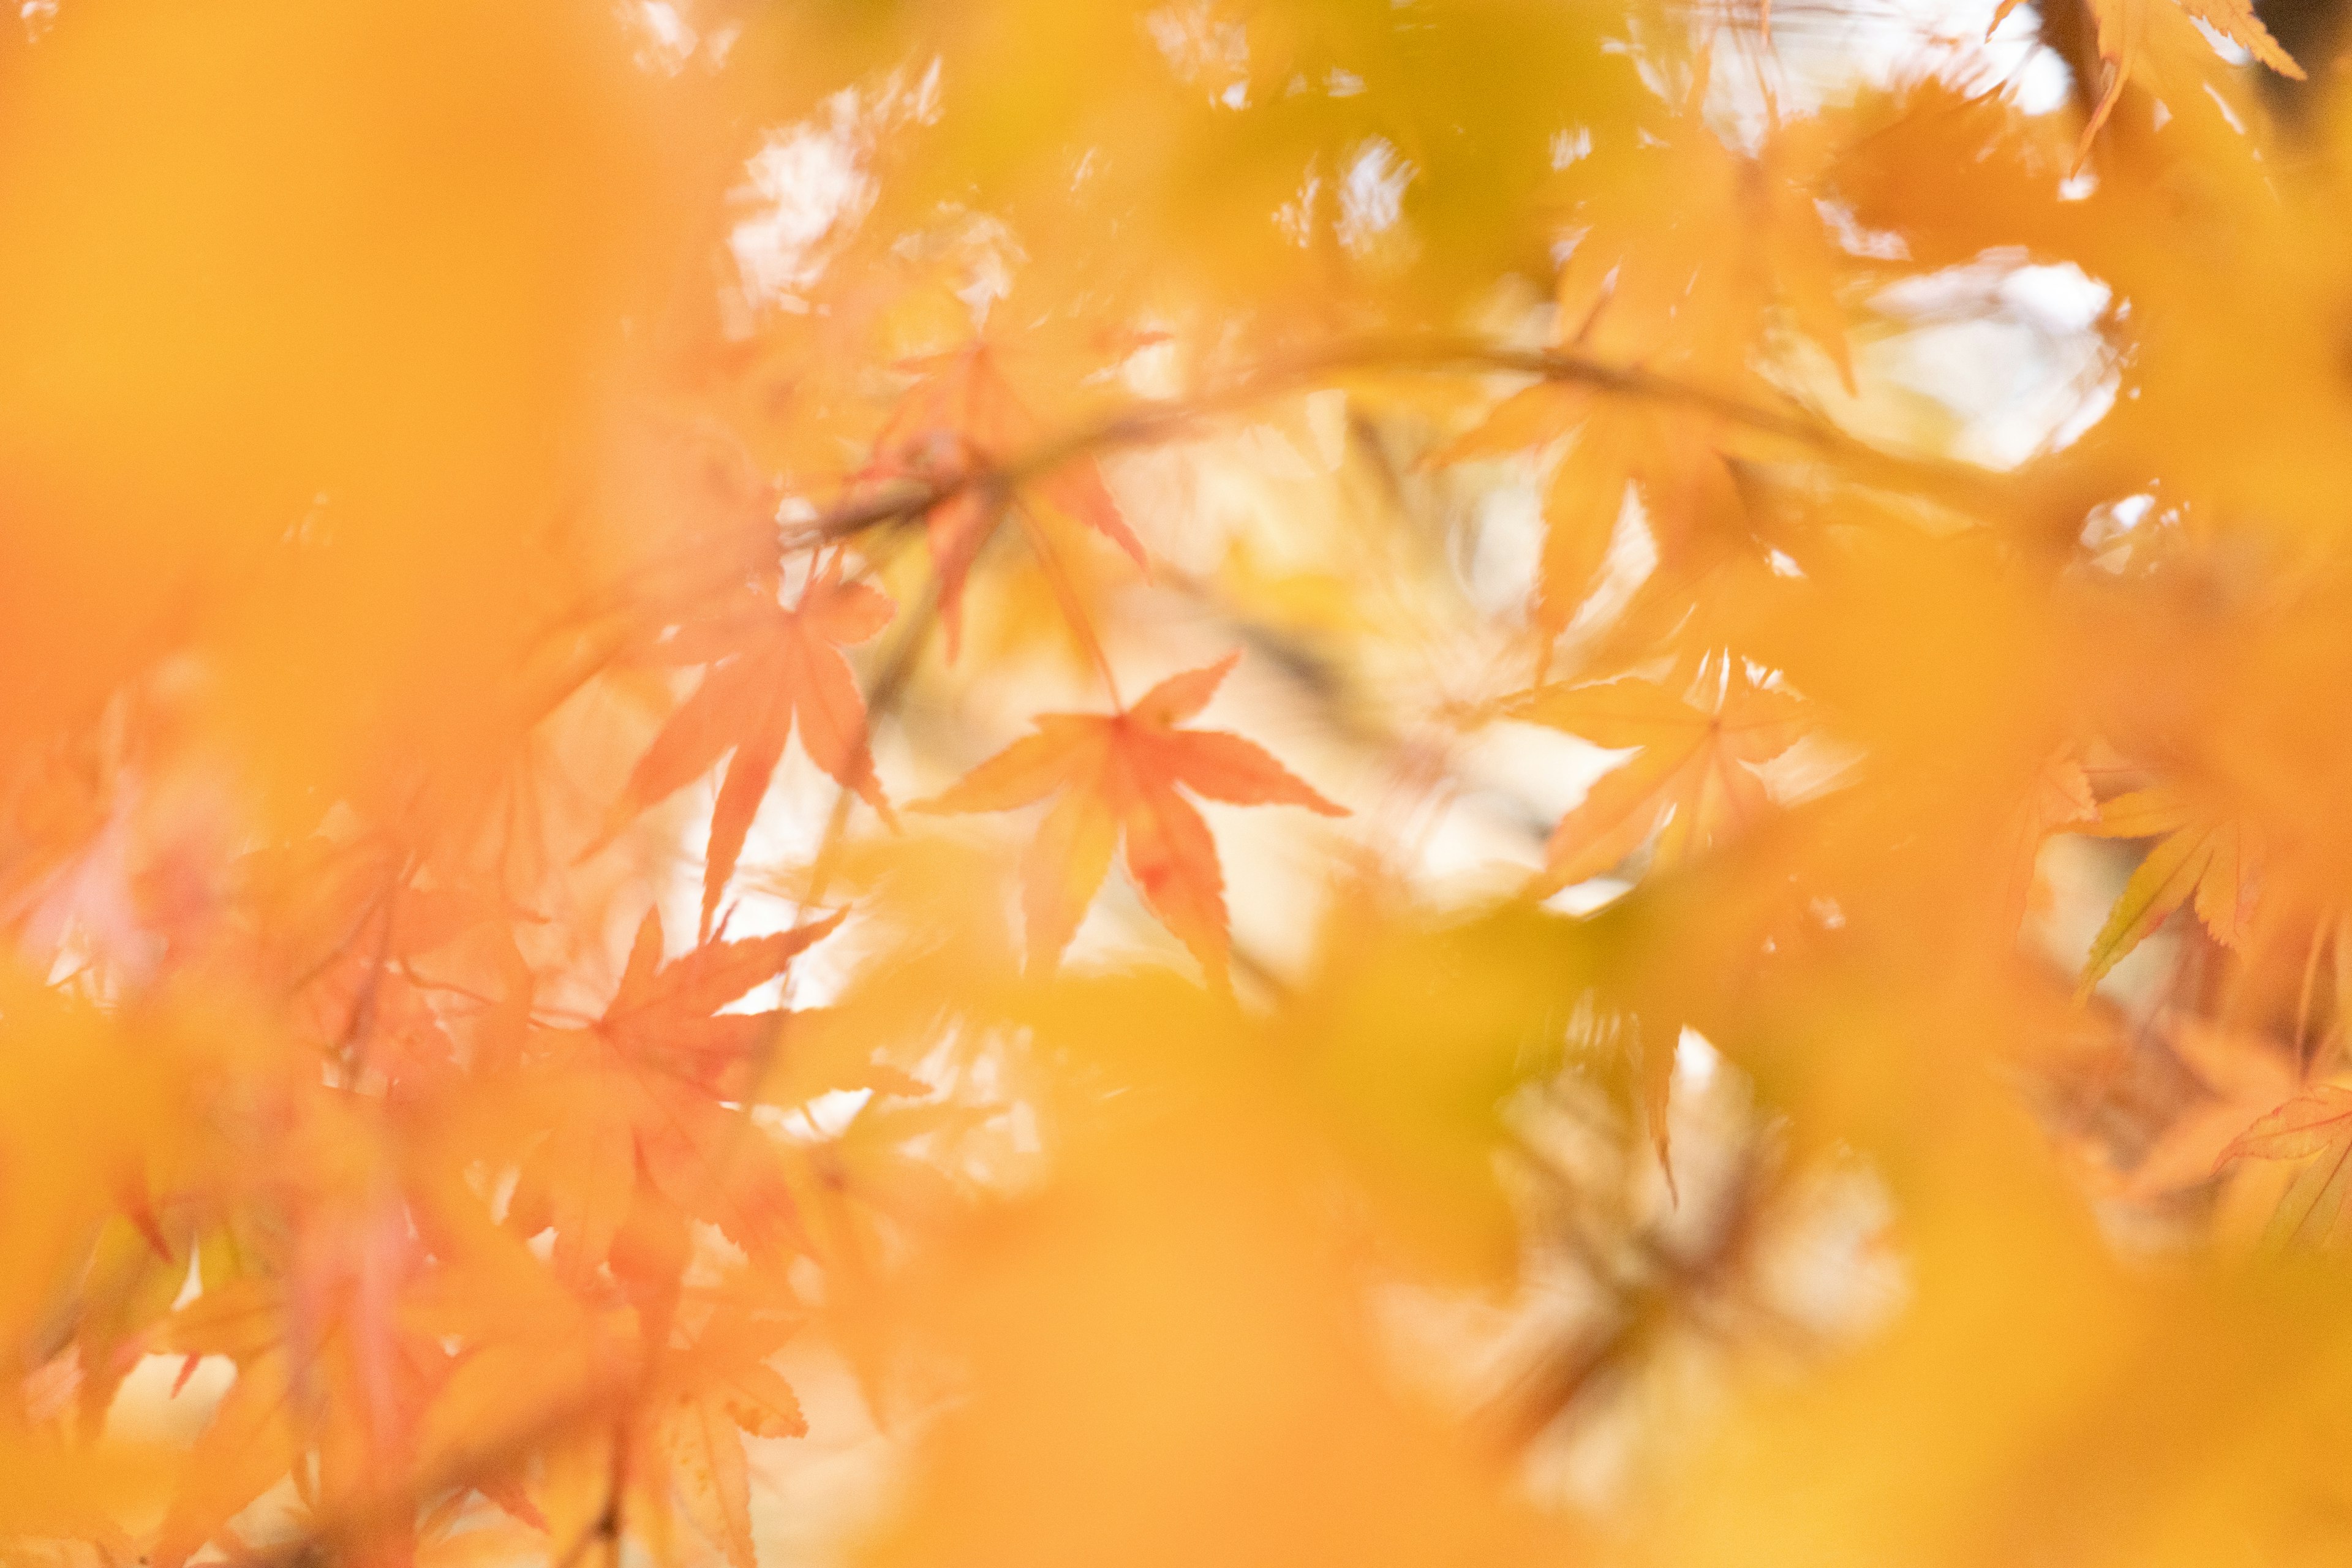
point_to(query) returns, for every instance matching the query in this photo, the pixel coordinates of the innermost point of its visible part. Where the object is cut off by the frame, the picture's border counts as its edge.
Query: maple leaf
(646, 1089)
(2246, 1074)
(2198, 853)
(773, 666)
(2315, 1122)
(2123, 26)
(135, 1271)
(527, 1347)
(1668, 459)
(1696, 284)
(327, 1362)
(728, 1390)
(1692, 774)
(956, 428)
(1119, 773)
(2297, 1128)
(249, 1444)
(2058, 796)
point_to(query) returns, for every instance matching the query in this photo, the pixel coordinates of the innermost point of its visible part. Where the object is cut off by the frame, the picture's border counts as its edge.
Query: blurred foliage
(1703, 638)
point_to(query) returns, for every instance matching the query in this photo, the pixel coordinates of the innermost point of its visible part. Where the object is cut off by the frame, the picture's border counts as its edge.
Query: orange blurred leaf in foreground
(473, 1091)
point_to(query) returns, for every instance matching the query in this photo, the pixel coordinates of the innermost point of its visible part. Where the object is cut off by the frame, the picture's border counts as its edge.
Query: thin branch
(1074, 609)
(1963, 484)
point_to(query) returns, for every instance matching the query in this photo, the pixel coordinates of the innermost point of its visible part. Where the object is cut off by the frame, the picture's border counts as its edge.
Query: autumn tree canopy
(1063, 782)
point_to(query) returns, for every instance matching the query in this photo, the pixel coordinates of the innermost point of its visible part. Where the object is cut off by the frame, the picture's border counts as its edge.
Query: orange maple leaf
(1698, 284)
(1120, 773)
(723, 1389)
(648, 1089)
(2245, 1074)
(772, 666)
(328, 1361)
(1692, 773)
(2301, 1127)
(956, 428)
(253, 1437)
(2124, 41)
(2058, 796)
(2313, 1126)
(1667, 457)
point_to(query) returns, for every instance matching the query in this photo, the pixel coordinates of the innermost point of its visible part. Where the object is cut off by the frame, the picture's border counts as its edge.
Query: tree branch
(1962, 485)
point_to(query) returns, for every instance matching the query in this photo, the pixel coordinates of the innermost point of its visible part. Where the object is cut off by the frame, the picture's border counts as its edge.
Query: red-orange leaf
(1120, 773)
(658, 1003)
(2314, 1127)
(2303, 1126)
(644, 1093)
(775, 666)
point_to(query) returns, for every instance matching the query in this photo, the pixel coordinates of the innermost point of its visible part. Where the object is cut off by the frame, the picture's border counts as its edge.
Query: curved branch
(1963, 484)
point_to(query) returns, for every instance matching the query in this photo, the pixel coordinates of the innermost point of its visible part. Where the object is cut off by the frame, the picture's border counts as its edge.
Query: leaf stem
(1074, 609)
